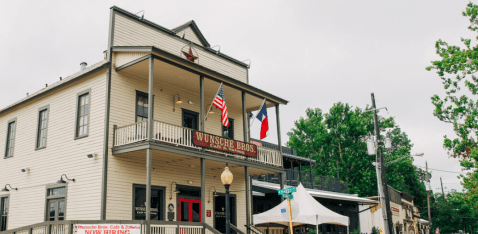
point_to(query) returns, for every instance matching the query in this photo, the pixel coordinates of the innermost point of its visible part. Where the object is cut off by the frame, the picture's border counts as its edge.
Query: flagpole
(258, 112)
(207, 113)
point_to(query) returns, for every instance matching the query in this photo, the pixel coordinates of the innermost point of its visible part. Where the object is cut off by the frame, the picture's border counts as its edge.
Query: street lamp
(226, 178)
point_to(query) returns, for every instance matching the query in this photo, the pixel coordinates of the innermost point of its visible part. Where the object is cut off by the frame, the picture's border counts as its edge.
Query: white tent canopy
(305, 210)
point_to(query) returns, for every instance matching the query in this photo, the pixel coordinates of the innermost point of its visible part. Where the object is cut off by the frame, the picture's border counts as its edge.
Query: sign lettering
(109, 229)
(287, 190)
(224, 144)
(287, 196)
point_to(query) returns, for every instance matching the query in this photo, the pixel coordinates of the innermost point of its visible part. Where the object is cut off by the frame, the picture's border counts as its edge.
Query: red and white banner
(109, 229)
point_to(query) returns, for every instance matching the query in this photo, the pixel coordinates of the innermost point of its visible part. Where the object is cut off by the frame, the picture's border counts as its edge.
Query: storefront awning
(318, 193)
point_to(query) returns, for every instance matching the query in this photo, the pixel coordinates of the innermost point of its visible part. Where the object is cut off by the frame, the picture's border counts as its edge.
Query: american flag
(220, 103)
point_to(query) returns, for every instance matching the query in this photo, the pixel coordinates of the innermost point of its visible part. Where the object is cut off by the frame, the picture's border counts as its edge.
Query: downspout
(104, 179)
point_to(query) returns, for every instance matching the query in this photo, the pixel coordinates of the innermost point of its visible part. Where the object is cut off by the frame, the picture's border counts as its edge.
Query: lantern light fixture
(214, 193)
(209, 107)
(61, 181)
(176, 101)
(7, 190)
(175, 191)
(226, 176)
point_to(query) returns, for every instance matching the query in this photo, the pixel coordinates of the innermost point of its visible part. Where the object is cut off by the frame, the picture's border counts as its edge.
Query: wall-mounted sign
(256, 143)
(223, 144)
(109, 229)
(208, 213)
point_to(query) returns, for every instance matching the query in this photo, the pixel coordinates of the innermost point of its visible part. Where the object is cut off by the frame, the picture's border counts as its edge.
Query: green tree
(457, 68)
(452, 212)
(338, 136)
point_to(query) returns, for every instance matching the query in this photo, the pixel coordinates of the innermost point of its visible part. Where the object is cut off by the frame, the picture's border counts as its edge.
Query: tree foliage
(339, 136)
(457, 69)
(452, 212)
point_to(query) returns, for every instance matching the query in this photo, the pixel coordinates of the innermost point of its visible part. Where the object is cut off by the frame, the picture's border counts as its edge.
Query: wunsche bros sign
(109, 229)
(223, 144)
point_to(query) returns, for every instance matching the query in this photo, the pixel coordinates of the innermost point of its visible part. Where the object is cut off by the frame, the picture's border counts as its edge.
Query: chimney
(105, 54)
(83, 66)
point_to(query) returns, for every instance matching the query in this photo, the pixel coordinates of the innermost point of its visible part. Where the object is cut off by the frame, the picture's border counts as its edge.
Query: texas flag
(262, 116)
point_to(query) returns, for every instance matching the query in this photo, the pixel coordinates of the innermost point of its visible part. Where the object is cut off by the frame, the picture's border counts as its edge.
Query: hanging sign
(109, 229)
(224, 144)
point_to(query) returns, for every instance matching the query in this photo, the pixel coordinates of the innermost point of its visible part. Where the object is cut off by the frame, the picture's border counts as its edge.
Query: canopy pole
(290, 216)
(316, 218)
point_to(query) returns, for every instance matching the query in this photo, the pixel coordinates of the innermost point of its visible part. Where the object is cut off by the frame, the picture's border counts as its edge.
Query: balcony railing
(182, 136)
(156, 227)
(293, 178)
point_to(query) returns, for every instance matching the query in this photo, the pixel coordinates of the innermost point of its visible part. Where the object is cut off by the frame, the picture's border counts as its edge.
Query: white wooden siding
(123, 104)
(62, 155)
(125, 57)
(124, 171)
(189, 35)
(130, 33)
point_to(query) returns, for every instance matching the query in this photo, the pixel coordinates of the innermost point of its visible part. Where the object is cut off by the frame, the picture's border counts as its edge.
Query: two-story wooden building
(121, 139)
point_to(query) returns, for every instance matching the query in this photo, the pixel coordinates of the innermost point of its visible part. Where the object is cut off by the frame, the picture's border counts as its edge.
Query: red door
(189, 210)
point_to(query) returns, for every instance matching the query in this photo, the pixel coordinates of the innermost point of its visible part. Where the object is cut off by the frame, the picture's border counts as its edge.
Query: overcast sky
(311, 53)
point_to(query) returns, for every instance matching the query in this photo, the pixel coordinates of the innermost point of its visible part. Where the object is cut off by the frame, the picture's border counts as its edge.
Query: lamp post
(226, 178)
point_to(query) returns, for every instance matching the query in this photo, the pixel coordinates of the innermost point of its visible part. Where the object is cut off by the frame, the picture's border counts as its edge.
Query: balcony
(179, 136)
(293, 178)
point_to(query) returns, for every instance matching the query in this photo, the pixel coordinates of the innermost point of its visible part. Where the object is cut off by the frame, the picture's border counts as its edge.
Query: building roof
(319, 193)
(195, 29)
(89, 70)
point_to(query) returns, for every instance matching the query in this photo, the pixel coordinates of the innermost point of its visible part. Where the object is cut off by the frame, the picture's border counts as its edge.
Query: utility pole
(428, 198)
(387, 215)
(442, 192)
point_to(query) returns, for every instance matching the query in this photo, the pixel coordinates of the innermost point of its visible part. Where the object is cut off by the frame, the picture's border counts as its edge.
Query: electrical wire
(440, 170)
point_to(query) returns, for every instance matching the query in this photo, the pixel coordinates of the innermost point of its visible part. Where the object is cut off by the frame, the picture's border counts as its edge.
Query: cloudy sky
(312, 53)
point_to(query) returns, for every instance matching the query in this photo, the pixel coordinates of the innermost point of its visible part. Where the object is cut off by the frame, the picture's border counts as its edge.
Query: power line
(441, 170)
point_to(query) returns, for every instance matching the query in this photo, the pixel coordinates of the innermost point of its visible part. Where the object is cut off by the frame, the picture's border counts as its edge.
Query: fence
(182, 136)
(156, 227)
(293, 178)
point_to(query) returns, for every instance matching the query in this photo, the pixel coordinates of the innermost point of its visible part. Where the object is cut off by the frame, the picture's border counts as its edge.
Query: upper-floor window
(190, 119)
(228, 131)
(10, 138)
(42, 127)
(141, 106)
(83, 114)
(3, 213)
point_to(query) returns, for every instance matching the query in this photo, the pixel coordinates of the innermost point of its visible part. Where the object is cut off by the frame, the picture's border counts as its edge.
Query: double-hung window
(12, 125)
(3, 213)
(141, 106)
(42, 127)
(83, 114)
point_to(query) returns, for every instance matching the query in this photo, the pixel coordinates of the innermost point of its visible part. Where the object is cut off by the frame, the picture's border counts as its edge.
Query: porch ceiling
(170, 75)
(164, 159)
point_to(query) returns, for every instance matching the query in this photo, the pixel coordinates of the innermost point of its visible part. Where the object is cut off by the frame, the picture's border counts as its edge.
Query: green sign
(287, 196)
(287, 190)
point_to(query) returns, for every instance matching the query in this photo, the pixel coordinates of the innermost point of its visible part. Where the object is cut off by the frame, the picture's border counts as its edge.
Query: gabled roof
(195, 29)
